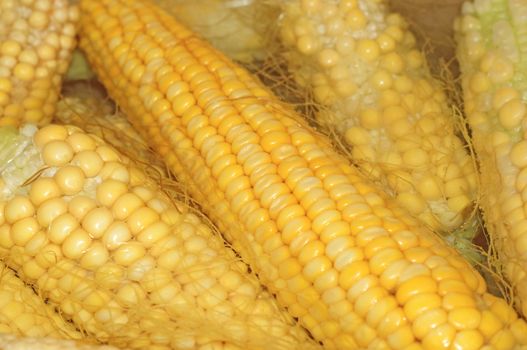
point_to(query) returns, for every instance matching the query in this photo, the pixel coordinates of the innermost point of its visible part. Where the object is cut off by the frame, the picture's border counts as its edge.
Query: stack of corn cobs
(164, 196)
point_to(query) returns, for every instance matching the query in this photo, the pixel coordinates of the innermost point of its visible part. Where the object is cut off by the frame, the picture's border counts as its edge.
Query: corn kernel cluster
(24, 313)
(362, 63)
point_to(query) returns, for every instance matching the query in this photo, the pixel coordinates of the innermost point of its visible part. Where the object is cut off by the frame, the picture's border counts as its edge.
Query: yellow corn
(353, 267)
(37, 38)
(490, 37)
(13, 342)
(24, 313)
(237, 28)
(125, 262)
(362, 64)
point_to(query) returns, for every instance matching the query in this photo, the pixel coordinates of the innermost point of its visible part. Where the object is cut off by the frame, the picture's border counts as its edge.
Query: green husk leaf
(79, 68)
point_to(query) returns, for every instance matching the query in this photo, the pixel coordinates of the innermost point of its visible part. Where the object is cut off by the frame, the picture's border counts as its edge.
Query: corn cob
(354, 268)
(23, 313)
(489, 35)
(361, 63)
(37, 38)
(129, 266)
(13, 342)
